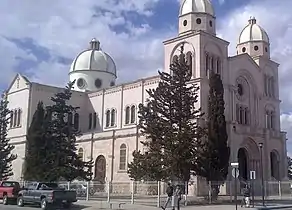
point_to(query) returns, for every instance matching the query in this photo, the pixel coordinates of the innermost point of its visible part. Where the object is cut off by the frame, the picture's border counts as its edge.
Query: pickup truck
(9, 191)
(46, 194)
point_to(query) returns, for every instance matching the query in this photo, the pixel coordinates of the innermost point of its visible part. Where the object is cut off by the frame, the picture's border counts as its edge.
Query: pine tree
(169, 123)
(289, 168)
(64, 161)
(6, 156)
(37, 147)
(213, 151)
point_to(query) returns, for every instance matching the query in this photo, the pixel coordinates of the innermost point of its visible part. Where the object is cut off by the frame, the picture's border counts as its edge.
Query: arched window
(123, 157)
(190, 62)
(133, 114)
(80, 153)
(218, 66)
(89, 121)
(11, 119)
(76, 121)
(18, 117)
(70, 118)
(212, 63)
(113, 117)
(175, 59)
(94, 119)
(127, 117)
(15, 118)
(107, 118)
(207, 64)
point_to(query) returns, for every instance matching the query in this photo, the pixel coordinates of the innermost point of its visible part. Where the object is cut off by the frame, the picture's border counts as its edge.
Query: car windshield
(48, 186)
(10, 184)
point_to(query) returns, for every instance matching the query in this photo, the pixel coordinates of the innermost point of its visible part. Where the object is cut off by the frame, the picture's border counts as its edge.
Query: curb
(275, 207)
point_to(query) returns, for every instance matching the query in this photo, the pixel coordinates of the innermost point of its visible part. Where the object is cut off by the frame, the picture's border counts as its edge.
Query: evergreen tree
(35, 167)
(289, 168)
(169, 123)
(213, 151)
(6, 157)
(64, 161)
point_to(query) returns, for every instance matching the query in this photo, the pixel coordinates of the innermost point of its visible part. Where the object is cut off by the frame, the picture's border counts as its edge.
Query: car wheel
(5, 200)
(44, 204)
(20, 201)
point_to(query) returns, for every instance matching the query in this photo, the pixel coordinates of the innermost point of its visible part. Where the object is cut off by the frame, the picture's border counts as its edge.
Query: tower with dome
(108, 112)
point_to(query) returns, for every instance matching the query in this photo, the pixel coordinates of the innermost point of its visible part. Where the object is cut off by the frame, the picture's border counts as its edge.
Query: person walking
(177, 194)
(246, 196)
(169, 192)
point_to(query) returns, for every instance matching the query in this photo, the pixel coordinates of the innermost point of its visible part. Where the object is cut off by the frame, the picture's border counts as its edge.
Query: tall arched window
(107, 118)
(190, 62)
(80, 153)
(89, 121)
(94, 119)
(113, 117)
(70, 118)
(76, 121)
(127, 117)
(18, 117)
(11, 119)
(218, 66)
(133, 114)
(15, 118)
(175, 59)
(207, 64)
(123, 157)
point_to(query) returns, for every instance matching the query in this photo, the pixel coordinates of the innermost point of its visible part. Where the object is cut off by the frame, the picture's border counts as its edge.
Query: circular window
(112, 83)
(198, 21)
(81, 83)
(210, 23)
(266, 49)
(240, 89)
(185, 22)
(256, 48)
(243, 49)
(98, 83)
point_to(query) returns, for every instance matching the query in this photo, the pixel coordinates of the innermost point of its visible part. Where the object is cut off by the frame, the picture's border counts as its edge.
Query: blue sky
(41, 38)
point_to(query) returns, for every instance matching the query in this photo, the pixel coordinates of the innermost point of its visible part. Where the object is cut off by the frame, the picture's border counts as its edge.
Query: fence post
(280, 190)
(132, 192)
(87, 191)
(186, 193)
(68, 185)
(158, 194)
(108, 191)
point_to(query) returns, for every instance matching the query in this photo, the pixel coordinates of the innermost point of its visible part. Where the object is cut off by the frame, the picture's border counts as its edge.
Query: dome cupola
(93, 69)
(196, 15)
(253, 40)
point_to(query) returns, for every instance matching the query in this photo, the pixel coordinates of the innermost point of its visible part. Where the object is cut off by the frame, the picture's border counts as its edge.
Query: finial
(94, 44)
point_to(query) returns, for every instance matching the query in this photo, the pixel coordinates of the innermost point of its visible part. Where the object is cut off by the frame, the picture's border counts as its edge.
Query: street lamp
(262, 173)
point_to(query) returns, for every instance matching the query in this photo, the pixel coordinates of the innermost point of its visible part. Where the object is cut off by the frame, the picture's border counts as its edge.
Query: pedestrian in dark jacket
(169, 192)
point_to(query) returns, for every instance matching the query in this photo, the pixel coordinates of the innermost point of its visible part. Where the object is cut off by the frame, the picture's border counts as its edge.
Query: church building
(108, 111)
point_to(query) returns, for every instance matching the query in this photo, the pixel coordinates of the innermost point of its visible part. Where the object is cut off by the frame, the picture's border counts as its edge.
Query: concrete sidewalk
(94, 205)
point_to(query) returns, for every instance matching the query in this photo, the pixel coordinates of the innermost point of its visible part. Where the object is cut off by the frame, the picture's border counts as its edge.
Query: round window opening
(185, 22)
(98, 83)
(240, 89)
(198, 21)
(243, 49)
(80, 83)
(112, 83)
(256, 48)
(210, 23)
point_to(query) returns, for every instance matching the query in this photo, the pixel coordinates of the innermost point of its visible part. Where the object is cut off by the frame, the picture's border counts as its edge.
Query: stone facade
(108, 112)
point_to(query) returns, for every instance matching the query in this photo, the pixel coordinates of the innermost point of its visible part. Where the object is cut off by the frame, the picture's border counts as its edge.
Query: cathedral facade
(108, 112)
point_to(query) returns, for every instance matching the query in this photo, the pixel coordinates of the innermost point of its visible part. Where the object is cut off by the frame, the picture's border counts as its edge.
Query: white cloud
(65, 29)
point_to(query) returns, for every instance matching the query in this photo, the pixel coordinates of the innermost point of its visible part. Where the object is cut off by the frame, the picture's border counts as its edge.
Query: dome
(94, 59)
(253, 32)
(197, 6)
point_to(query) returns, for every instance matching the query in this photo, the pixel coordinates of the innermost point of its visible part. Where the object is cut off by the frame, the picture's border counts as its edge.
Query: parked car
(46, 194)
(9, 191)
(80, 188)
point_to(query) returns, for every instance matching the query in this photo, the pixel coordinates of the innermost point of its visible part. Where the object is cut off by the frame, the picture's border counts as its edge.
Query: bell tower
(196, 15)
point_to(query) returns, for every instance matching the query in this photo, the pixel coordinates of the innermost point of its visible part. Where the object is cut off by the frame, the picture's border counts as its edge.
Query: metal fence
(154, 193)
